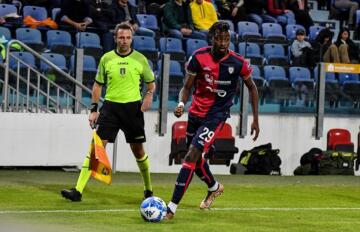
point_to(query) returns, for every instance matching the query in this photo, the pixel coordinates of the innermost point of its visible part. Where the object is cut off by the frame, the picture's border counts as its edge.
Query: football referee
(121, 71)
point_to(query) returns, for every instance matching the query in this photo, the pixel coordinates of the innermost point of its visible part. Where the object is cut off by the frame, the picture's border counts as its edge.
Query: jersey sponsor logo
(219, 92)
(231, 70)
(219, 82)
(208, 78)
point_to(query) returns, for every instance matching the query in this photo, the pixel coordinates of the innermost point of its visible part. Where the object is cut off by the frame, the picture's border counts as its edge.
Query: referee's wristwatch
(93, 107)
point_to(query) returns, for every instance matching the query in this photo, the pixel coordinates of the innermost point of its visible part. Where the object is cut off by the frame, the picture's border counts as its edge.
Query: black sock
(182, 182)
(203, 172)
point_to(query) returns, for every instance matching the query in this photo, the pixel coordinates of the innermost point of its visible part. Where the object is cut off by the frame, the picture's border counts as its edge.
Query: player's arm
(254, 105)
(184, 94)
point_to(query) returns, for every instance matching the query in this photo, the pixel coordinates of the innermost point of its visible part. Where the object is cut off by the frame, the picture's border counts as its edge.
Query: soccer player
(214, 73)
(121, 70)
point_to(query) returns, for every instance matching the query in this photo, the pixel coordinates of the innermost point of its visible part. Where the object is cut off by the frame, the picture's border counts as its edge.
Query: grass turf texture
(249, 203)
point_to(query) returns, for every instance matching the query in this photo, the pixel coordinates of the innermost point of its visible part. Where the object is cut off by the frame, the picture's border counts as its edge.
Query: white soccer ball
(153, 209)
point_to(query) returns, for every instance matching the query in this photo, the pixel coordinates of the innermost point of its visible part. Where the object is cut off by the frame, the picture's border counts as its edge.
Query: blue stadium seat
(90, 42)
(291, 30)
(5, 32)
(275, 55)
(146, 45)
(248, 30)
(27, 57)
(314, 31)
(89, 69)
(59, 42)
(57, 59)
(37, 12)
(54, 13)
(258, 80)
(299, 73)
(252, 52)
(194, 44)
(232, 46)
(148, 21)
(133, 3)
(6, 9)
(332, 87)
(273, 31)
(173, 46)
(278, 83)
(357, 17)
(31, 37)
(348, 77)
(176, 78)
(231, 24)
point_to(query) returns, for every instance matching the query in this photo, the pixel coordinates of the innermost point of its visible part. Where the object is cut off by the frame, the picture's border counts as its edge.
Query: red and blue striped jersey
(215, 81)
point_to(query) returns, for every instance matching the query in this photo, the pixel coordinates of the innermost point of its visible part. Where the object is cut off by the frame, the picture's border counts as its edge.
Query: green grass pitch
(249, 203)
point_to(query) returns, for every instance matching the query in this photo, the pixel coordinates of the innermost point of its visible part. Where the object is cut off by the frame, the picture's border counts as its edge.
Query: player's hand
(146, 102)
(255, 128)
(178, 111)
(93, 118)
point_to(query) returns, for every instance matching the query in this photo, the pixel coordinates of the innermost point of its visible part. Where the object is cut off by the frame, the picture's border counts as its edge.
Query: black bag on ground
(259, 160)
(317, 162)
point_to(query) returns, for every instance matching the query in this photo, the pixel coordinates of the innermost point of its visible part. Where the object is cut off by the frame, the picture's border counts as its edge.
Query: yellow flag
(100, 165)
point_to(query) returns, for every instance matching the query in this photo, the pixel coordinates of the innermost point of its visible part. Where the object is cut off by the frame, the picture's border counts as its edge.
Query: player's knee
(193, 155)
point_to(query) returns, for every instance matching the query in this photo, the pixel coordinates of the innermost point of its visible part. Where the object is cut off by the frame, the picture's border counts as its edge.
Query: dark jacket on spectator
(120, 15)
(353, 49)
(255, 6)
(76, 10)
(276, 7)
(318, 45)
(177, 17)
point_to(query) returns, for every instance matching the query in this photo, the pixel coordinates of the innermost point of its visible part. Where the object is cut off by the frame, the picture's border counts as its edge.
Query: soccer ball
(153, 209)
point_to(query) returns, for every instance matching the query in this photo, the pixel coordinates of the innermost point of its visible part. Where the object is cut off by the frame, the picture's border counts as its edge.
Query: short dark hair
(217, 27)
(124, 26)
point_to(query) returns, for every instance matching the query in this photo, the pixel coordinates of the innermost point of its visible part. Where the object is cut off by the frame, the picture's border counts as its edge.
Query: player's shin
(203, 172)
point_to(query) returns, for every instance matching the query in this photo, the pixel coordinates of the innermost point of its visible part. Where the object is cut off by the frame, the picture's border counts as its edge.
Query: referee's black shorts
(125, 116)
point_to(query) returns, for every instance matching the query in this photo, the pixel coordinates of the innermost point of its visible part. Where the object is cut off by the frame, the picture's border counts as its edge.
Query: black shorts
(125, 116)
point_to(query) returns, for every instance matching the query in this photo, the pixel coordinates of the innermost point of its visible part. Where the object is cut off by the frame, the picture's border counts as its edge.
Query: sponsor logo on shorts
(139, 137)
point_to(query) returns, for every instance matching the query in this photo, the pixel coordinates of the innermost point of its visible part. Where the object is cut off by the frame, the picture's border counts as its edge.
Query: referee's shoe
(71, 194)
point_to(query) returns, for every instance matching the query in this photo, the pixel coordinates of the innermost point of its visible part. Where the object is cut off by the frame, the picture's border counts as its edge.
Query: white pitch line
(135, 210)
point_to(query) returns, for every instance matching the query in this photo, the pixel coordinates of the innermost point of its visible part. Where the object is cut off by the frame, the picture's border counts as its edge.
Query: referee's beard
(123, 49)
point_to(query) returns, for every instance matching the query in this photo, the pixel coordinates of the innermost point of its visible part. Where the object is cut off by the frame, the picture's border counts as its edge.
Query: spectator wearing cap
(301, 50)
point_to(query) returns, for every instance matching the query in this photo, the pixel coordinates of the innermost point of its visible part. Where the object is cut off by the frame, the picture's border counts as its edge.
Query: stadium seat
(275, 55)
(59, 42)
(60, 61)
(233, 34)
(348, 77)
(178, 142)
(291, 30)
(332, 87)
(225, 148)
(278, 84)
(314, 31)
(194, 44)
(31, 37)
(273, 32)
(5, 33)
(172, 46)
(6, 9)
(29, 61)
(37, 12)
(54, 13)
(351, 89)
(339, 140)
(89, 69)
(148, 21)
(302, 76)
(252, 52)
(176, 78)
(146, 45)
(90, 42)
(248, 31)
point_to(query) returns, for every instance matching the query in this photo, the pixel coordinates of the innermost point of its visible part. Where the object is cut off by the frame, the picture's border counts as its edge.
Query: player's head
(219, 34)
(123, 37)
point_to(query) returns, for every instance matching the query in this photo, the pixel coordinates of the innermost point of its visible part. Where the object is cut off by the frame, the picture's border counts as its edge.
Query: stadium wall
(63, 140)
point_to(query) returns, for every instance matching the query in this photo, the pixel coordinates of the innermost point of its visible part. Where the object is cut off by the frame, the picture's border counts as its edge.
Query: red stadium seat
(339, 140)
(224, 146)
(178, 142)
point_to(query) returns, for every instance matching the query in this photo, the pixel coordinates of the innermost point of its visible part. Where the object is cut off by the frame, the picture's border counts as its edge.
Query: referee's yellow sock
(144, 166)
(84, 176)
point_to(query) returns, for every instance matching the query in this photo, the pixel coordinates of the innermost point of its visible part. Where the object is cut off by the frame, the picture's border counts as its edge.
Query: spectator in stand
(348, 50)
(348, 4)
(255, 10)
(102, 15)
(301, 11)
(279, 10)
(177, 21)
(155, 7)
(301, 50)
(203, 15)
(74, 13)
(324, 49)
(231, 10)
